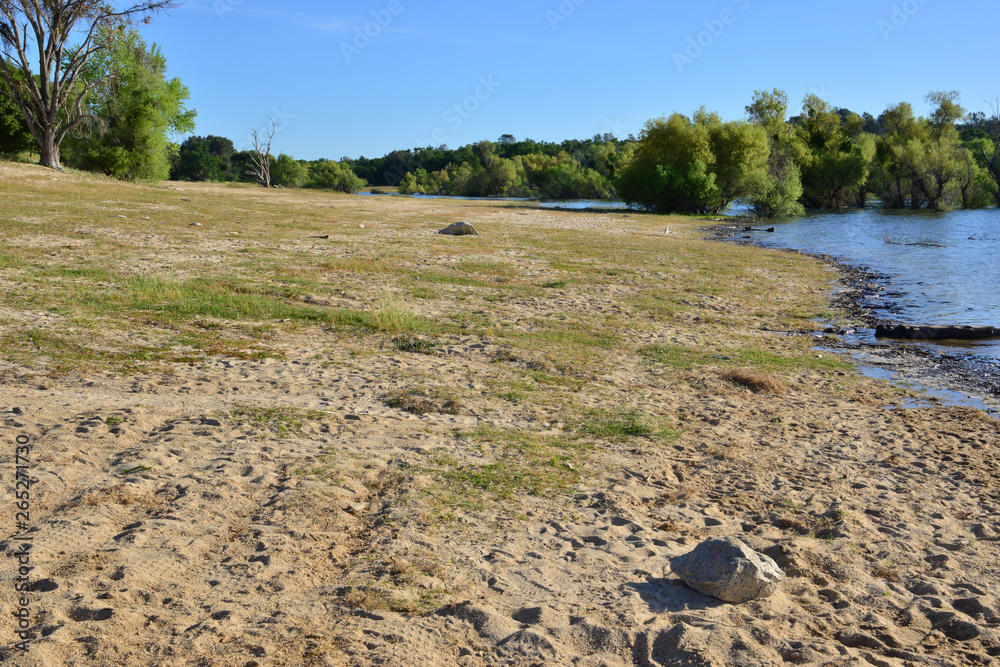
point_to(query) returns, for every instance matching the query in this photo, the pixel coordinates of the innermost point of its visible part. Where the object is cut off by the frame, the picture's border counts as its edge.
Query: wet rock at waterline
(728, 569)
(459, 229)
(937, 332)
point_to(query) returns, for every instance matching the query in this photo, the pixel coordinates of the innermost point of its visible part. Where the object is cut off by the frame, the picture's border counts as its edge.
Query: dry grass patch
(887, 571)
(125, 495)
(756, 381)
(424, 400)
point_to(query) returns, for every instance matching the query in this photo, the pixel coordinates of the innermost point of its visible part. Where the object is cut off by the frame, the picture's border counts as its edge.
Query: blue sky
(370, 76)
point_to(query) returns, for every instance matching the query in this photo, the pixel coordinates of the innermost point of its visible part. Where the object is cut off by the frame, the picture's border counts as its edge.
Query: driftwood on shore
(937, 332)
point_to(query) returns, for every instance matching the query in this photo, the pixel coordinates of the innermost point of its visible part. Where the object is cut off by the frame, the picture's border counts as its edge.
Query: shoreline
(966, 374)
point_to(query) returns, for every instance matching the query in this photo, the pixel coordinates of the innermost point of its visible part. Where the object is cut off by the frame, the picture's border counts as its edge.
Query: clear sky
(370, 76)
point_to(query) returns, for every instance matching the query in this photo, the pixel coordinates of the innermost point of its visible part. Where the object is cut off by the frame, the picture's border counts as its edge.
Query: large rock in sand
(729, 570)
(459, 229)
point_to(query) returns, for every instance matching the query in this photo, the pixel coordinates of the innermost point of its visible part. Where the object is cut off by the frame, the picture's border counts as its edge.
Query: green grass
(511, 474)
(661, 306)
(95, 273)
(444, 278)
(514, 390)
(522, 462)
(238, 301)
(225, 298)
(620, 426)
(804, 360)
(254, 344)
(390, 316)
(676, 356)
(793, 360)
(383, 598)
(41, 348)
(325, 469)
(488, 267)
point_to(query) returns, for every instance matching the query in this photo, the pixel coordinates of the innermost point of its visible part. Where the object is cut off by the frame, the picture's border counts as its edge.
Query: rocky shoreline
(867, 297)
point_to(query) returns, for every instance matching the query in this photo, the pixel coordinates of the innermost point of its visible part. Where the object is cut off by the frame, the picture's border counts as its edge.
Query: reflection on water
(583, 203)
(945, 267)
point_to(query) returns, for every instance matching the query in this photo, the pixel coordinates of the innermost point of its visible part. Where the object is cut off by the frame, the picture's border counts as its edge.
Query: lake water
(579, 204)
(944, 267)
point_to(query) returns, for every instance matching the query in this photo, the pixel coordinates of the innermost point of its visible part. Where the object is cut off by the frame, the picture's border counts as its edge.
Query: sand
(283, 512)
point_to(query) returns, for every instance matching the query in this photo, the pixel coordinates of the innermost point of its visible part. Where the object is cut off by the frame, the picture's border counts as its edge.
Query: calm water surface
(951, 277)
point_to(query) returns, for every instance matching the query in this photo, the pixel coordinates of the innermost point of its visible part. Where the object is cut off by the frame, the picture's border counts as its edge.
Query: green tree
(53, 103)
(933, 167)
(777, 194)
(206, 159)
(14, 134)
(696, 165)
(946, 114)
(741, 165)
(132, 110)
(868, 145)
(669, 171)
(558, 177)
(289, 172)
(770, 111)
(330, 175)
(607, 159)
(834, 167)
(887, 178)
(410, 186)
(934, 159)
(987, 152)
(461, 176)
(241, 166)
(974, 184)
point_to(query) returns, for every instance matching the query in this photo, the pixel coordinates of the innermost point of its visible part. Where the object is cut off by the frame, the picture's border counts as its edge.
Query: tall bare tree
(260, 154)
(51, 100)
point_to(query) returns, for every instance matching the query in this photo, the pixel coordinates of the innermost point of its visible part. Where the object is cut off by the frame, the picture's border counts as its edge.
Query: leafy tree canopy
(37, 34)
(132, 111)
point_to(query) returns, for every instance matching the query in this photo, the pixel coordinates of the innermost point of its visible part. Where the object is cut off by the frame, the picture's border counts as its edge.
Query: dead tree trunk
(260, 154)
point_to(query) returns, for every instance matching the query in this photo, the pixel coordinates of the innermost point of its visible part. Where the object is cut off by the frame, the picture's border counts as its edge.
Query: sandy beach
(296, 428)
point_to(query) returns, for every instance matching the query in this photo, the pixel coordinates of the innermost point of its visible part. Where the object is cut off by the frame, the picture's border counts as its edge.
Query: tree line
(214, 158)
(824, 158)
(505, 168)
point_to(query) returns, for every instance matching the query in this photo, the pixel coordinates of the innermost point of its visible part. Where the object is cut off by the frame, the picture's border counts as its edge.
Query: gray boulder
(459, 229)
(727, 569)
